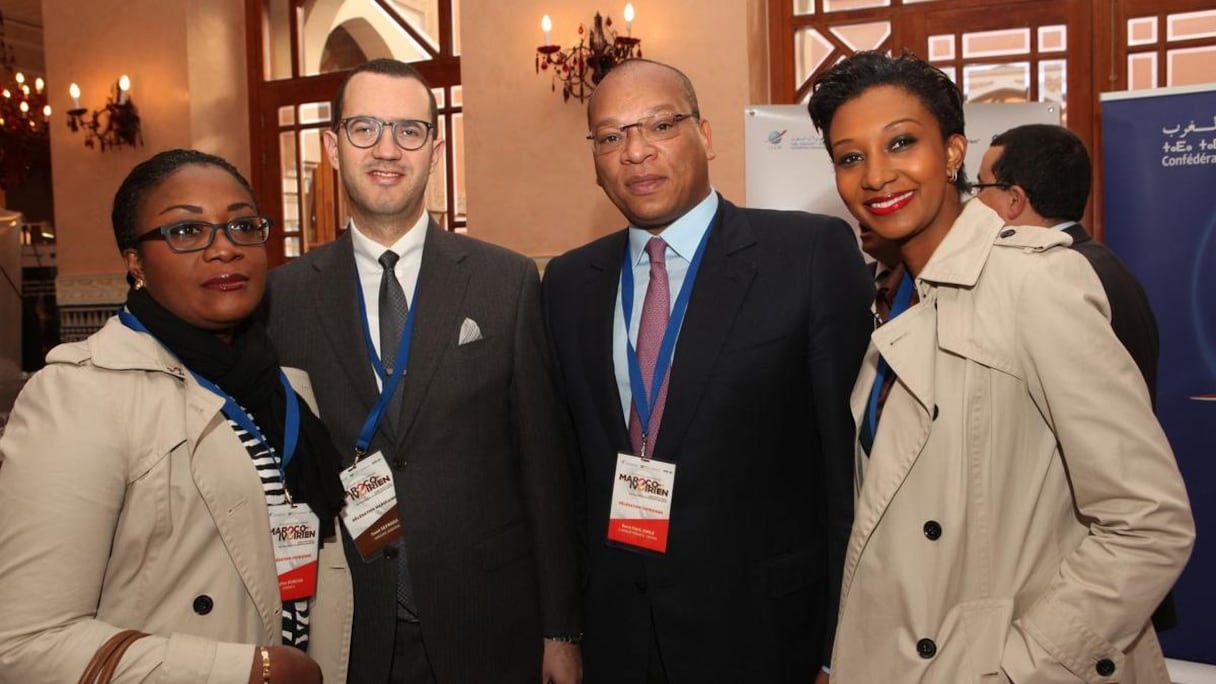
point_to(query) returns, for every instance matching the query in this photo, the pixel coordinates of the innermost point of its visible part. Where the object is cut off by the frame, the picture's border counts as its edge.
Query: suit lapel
(719, 290)
(598, 323)
(442, 281)
(338, 315)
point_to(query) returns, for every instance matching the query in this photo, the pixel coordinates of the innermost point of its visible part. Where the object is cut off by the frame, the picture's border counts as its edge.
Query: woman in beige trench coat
(133, 497)
(1019, 513)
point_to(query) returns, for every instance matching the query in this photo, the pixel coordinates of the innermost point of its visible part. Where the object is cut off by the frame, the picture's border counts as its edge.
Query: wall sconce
(583, 66)
(114, 125)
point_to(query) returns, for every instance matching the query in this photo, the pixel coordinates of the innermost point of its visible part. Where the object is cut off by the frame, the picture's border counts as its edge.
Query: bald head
(626, 74)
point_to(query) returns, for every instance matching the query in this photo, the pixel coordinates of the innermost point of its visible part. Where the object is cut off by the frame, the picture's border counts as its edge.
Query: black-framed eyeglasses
(194, 236)
(974, 188)
(652, 129)
(364, 131)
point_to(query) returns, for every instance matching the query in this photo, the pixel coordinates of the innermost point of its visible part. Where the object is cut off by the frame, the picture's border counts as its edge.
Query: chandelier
(583, 66)
(24, 115)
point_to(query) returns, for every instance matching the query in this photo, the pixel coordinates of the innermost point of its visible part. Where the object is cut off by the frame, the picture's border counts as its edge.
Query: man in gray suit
(442, 335)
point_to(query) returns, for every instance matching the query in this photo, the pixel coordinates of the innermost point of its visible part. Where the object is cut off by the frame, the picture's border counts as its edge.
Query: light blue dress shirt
(682, 238)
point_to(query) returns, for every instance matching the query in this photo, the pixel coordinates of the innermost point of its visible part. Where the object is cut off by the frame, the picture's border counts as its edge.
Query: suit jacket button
(203, 604)
(1105, 667)
(933, 530)
(390, 552)
(926, 649)
(399, 464)
(1008, 232)
(935, 412)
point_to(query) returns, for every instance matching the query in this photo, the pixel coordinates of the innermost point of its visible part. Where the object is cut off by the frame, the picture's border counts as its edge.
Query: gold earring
(139, 283)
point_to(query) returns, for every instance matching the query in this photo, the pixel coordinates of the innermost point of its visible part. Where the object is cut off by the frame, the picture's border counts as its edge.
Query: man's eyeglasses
(974, 189)
(364, 132)
(194, 236)
(652, 129)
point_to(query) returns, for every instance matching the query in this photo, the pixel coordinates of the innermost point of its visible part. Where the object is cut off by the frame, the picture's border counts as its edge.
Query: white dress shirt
(367, 263)
(682, 238)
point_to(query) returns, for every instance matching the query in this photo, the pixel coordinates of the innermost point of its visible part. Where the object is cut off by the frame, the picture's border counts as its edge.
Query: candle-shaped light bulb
(20, 78)
(25, 89)
(74, 91)
(124, 89)
(46, 111)
(24, 107)
(39, 84)
(629, 18)
(546, 25)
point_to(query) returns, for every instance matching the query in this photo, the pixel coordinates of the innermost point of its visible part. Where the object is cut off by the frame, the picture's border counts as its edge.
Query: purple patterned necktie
(655, 311)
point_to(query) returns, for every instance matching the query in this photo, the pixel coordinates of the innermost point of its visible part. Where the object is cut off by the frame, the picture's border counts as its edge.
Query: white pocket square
(469, 332)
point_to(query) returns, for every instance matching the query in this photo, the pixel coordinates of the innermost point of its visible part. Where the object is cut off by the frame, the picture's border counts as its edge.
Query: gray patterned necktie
(393, 310)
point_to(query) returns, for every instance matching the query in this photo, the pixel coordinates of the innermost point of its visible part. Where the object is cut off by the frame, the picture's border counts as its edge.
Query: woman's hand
(288, 665)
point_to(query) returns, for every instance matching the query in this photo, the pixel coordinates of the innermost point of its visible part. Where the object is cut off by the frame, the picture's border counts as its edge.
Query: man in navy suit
(706, 354)
(1038, 175)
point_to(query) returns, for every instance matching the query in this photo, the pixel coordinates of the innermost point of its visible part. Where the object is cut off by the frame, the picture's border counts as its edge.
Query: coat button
(935, 412)
(1008, 232)
(203, 604)
(933, 530)
(390, 552)
(926, 649)
(1105, 667)
(399, 464)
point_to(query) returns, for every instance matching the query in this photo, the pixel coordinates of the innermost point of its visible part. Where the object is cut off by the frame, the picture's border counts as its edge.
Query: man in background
(1039, 175)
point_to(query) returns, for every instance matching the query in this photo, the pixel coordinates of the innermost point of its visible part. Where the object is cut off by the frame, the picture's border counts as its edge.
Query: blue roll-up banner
(1159, 165)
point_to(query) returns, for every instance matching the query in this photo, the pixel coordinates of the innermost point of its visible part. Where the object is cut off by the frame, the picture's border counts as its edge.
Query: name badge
(370, 514)
(641, 503)
(295, 533)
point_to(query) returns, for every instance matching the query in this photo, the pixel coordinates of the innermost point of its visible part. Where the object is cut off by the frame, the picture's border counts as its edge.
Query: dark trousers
(656, 673)
(410, 663)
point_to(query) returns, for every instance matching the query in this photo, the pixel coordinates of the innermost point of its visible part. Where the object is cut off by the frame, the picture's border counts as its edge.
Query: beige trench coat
(1021, 513)
(125, 499)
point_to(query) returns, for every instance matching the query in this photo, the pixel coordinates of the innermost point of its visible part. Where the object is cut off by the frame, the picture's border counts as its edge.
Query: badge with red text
(370, 513)
(295, 533)
(641, 503)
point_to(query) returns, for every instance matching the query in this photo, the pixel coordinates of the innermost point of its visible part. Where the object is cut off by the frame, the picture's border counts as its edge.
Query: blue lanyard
(903, 297)
(641, 400)
(233, 410)
(388, 382)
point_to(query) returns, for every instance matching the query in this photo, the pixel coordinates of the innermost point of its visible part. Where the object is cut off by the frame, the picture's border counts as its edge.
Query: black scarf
(248, 370)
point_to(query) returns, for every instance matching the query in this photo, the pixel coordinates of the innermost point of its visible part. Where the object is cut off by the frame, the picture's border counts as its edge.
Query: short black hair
(1051, 164)
(856, 74)
(386, 67)
(146, 176)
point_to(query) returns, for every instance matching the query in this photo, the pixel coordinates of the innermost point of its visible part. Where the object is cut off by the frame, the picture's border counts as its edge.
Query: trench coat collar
(961, 256)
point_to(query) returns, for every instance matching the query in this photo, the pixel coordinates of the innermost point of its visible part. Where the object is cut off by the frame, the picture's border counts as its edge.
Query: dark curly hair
(147, 176)
(864, 70)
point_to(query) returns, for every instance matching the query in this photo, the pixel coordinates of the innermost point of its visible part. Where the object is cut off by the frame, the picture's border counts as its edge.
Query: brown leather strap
(105, 661)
